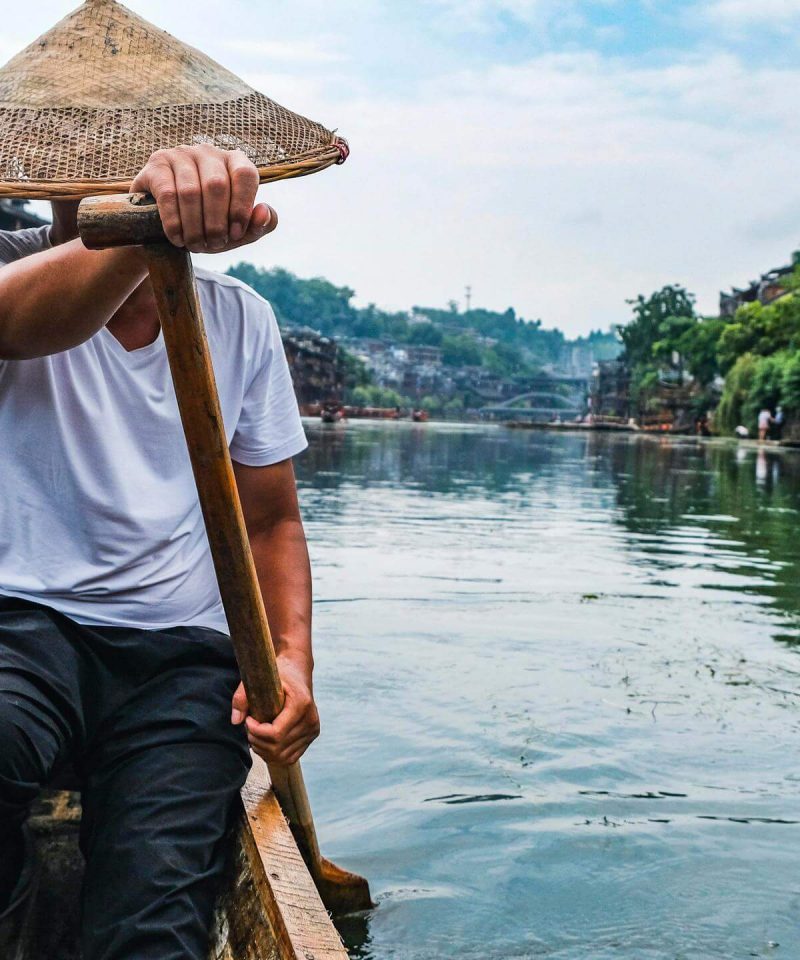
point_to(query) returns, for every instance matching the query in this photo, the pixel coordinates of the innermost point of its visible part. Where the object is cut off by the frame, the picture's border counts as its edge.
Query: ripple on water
(559, 685)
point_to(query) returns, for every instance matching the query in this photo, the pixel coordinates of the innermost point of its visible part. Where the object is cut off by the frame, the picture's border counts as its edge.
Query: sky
(558, 156)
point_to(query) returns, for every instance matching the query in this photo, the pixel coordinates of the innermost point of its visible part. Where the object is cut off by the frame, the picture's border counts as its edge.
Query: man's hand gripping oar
(133, 219)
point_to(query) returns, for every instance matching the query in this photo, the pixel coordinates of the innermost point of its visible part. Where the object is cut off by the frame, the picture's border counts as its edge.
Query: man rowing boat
(114, 655)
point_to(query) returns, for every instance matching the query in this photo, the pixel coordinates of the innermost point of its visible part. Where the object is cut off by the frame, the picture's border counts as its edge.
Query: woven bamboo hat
(84, 106)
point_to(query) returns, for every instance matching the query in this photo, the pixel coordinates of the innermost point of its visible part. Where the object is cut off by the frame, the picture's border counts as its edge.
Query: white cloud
(481, 15)
(562, 186)
(745, 12)
(485, 15)
(309, 51)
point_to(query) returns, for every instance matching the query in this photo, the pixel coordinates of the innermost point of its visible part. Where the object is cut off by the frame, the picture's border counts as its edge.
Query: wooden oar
(128, 219)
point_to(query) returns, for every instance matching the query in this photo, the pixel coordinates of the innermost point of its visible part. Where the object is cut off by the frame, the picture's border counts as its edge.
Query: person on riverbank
(777, 423)
(114, 651)
(765, 421)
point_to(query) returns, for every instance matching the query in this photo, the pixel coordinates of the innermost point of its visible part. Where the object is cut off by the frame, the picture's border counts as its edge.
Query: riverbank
(634, 433)
(567, 426)
(660, 435)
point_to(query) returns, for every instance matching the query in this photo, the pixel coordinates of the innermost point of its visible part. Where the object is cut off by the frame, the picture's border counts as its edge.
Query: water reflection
(556, 719)
(660, 485)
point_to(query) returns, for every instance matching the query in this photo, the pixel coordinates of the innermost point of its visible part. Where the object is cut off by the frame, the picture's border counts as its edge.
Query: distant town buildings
(673, 402)
(610, 391)
(766, 289)
(314, 364)
(414, 370)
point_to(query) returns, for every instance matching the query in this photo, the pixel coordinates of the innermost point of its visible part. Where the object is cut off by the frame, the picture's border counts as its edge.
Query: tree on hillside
(543, 346)
(604, 344)
(461, 351)
(648, 339)
(315, 302)
(501, 341)
(656, 319)
(755, 382)
(425, 334)
(698, 345)
(761, 330)
(758, 352)
(505, 361)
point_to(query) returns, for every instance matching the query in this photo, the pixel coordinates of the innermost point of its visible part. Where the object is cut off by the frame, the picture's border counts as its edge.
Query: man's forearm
(269, 504)
(284, 575)
(54, 300)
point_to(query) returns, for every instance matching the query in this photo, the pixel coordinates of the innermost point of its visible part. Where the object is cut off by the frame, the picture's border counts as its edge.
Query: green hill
(504, 343)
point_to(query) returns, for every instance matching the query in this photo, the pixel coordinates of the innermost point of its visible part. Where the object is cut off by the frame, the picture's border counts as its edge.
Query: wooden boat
(372, 413)
(332, 413)
(269, 908)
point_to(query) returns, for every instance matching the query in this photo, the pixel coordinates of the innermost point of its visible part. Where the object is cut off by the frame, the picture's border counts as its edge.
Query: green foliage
(353, 370)
(754, 383)
(659, 340)
(296, 302)
(672, 332)
(605, 345)
(792, 282)
(505, 344)
(454, 407)
(758, 352)
(432, 404)
(504, 361)
(790, 384)
(698, 345)
(666, 340)
(761, 330)
(426, 334)
(526, 336)
(655, 319)
(765, 390)
(461, 351)
(374, 396)
(521, 347)
(738, 384)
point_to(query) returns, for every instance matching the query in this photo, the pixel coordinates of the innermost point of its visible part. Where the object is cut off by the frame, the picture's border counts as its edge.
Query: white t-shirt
(99, 516)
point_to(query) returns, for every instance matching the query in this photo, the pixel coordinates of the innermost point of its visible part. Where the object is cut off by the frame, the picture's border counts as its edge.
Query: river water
(559, 682)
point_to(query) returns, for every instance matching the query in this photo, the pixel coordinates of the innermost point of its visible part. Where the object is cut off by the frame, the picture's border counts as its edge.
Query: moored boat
(373, 413)
(332, 413)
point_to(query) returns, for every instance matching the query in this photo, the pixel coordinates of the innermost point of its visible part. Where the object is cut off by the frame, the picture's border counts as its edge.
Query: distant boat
(332, 413)
(373, 413)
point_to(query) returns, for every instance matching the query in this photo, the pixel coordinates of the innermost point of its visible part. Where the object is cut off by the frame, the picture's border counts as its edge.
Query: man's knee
(154, 834)
(30, 743)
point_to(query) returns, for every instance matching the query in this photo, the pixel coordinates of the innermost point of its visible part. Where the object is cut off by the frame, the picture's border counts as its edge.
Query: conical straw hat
(84, 106)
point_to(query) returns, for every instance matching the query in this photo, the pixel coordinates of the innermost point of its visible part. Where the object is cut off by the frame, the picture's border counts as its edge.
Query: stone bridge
(548, 397)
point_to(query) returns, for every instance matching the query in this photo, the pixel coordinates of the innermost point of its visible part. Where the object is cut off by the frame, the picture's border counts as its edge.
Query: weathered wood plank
(272, 890)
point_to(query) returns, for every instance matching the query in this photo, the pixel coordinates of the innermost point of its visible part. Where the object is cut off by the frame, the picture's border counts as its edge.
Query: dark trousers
(144, 718)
